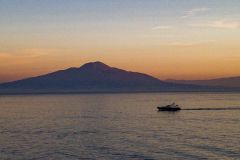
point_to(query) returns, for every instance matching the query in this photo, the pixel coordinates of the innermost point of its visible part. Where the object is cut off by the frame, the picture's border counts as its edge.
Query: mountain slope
(233, 82)
(93, 77)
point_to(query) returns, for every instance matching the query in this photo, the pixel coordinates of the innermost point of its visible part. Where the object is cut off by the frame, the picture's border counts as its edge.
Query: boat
(171, 108)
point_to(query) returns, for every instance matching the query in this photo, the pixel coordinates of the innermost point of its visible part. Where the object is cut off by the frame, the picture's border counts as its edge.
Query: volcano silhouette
(93, 77)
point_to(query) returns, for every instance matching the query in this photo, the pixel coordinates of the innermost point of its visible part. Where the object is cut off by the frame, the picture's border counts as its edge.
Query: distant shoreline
(117, 92)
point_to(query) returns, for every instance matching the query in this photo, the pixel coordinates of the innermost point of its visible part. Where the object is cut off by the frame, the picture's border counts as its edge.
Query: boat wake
(207, 109)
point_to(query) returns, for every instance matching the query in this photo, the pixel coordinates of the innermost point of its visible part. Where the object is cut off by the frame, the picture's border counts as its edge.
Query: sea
(119, 126)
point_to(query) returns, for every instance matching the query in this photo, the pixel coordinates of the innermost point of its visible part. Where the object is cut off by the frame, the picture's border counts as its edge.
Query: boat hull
(161, 109)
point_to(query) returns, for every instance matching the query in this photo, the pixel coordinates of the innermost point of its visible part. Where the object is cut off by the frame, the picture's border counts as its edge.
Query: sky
(169, 39)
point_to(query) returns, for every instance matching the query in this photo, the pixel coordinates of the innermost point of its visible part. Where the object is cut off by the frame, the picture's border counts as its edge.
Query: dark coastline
(116, 92)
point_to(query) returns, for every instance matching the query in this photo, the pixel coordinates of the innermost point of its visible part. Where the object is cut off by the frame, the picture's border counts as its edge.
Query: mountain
(231, 82)
(94, 77)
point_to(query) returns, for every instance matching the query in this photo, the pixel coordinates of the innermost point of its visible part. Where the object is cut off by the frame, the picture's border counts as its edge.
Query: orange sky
(166, 39)
(179, 61)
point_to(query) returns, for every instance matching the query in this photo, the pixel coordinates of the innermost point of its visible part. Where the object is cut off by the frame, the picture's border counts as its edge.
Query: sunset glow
(187, 39)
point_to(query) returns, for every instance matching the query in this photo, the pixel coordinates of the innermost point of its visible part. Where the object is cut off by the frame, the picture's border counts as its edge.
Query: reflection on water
(118, 126)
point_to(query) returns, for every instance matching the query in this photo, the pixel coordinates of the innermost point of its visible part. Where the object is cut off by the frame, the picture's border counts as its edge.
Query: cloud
(23, 56)
(188, 43)
(225, 24)
(28, 53)
(5, 55)
(161, 27)
(220, 24)
(195, 11)
(20, 59)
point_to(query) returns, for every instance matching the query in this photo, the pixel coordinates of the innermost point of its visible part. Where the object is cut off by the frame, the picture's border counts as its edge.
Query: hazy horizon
(187, 39)
(109, 66)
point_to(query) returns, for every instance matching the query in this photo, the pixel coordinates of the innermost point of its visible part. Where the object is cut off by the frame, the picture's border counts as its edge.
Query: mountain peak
(95, 65)
(92, 77)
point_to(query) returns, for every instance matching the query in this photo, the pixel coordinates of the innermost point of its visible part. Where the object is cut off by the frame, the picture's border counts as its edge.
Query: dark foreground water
(118, 126)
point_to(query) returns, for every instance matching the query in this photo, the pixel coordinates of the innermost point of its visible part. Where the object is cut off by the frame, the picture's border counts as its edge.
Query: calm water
(118, 126)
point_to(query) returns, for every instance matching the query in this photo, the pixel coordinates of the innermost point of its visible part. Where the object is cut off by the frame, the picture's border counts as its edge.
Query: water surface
(118, 126)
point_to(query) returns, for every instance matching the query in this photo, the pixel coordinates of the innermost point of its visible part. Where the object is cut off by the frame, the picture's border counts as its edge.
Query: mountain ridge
(95, 77)
(217, 82)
